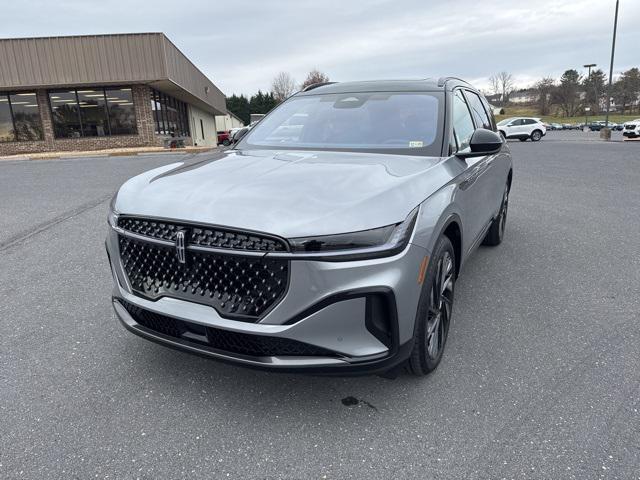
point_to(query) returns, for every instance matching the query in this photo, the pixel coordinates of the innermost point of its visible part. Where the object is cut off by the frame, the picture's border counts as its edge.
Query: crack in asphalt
(21, 237)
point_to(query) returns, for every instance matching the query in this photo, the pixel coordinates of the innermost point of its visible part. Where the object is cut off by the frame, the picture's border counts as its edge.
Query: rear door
(529, 125)
(494, 174)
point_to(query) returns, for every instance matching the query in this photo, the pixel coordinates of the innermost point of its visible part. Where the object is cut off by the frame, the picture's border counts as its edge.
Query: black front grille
(224, 340)
(215, 237)
(239, 287)
(630, 127)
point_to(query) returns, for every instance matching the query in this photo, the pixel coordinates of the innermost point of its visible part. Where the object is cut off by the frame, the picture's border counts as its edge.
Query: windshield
(506, 120)
(386, 122)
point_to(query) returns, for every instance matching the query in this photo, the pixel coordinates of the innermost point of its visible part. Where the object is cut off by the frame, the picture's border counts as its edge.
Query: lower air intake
(223, 340)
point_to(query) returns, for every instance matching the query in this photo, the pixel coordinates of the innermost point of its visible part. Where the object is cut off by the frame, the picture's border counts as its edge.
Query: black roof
(422, 85)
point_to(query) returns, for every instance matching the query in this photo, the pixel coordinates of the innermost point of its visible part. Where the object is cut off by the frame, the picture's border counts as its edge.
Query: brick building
(102, 91)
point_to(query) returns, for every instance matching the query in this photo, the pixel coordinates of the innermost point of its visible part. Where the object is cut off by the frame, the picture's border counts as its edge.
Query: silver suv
(329, 239)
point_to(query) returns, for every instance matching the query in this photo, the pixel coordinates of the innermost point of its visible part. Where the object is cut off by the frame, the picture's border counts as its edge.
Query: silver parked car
(329, 239)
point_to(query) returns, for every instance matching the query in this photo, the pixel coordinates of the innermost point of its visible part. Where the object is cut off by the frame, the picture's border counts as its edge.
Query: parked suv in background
(329, 239)
(632, 129)
(522, 128)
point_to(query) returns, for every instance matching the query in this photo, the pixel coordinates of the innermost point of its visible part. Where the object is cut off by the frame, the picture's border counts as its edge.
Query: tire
(226, 142)
(536, 135)
(523, 139)
(433, 316)
(496, 230)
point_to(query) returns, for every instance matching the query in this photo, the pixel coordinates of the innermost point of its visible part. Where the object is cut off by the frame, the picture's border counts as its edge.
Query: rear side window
(489, 111)
(462, 124)
(478, 111)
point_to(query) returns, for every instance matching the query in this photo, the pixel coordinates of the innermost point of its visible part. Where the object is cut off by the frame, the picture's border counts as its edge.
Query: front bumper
(328, 305)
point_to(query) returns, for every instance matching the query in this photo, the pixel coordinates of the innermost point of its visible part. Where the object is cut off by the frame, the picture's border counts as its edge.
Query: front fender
(436, 214)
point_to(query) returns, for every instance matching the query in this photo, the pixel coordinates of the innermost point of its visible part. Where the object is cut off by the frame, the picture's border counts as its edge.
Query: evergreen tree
(567, 94)
(239, 106)
(594, 90)
(627, 89)
(262, 102)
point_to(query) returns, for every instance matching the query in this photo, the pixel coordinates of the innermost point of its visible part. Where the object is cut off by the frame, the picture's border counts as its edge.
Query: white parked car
(522, 128)
(631, 129)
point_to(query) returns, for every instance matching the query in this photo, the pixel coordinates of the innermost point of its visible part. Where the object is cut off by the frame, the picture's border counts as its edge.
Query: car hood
(286, 193)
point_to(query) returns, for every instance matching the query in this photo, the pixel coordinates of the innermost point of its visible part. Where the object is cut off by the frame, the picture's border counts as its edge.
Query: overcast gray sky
(242, 44)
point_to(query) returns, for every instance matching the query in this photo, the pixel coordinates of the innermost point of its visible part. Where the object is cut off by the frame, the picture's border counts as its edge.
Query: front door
(472, 191)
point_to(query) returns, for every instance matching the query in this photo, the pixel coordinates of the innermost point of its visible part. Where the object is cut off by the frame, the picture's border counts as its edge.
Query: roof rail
(443, 80)
(316, 85)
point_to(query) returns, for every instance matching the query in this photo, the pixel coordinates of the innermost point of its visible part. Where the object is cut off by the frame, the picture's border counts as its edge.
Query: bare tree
(502, 84)
(494, 83)
(283, 86)
(314, 76)
(507, 85)
(545, 88)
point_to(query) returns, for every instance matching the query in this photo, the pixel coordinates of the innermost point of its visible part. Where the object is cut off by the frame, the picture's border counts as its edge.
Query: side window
(478, 111)
(517, 123)
(462, 124)
(489, 111)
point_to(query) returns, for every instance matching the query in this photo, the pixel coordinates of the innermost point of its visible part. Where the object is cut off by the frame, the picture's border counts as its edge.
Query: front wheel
(226, 142)
(434, 310)
(536, 135)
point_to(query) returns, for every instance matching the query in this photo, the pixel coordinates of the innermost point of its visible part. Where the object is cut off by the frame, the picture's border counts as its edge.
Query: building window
(122, 114)
(169, 115)
(94, 112)
(202, 128)
(19, 117)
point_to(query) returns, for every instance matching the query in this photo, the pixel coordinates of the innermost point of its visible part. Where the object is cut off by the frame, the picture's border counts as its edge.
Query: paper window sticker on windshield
(416, 144)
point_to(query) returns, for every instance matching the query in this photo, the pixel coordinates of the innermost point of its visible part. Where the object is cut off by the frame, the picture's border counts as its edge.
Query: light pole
(613, 51)
(588, 78)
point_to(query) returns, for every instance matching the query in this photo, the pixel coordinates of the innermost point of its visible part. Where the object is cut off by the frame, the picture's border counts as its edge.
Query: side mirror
(483, 142)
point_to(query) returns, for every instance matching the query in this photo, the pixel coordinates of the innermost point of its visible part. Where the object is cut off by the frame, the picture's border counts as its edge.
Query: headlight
(377, 242)
(112, 216)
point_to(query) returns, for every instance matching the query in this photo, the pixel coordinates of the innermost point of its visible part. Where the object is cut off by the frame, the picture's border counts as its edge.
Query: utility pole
(613, 51)
(588, 78)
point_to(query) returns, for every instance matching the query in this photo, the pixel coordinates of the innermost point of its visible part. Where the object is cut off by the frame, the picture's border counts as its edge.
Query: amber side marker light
(423, 269)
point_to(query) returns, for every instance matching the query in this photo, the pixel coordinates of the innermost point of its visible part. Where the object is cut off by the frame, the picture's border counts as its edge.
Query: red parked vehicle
(223, 138)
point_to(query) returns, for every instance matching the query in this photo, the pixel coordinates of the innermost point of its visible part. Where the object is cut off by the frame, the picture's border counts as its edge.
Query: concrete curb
(98, 154)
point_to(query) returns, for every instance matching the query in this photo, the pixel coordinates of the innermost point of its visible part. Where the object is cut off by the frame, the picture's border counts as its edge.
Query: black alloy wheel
(434, 312)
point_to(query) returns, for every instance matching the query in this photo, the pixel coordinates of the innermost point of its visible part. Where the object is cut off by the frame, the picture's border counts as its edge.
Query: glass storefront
(169, 114)
(20, 117)
(93, 112)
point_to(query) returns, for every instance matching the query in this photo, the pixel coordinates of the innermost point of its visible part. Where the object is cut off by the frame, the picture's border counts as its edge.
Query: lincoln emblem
(180, 248)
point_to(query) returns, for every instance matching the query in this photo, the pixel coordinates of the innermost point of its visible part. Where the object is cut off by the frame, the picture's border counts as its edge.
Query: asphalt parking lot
(541, 377)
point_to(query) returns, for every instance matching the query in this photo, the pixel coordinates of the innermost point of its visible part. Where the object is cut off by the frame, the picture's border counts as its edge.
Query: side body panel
(472, 197)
